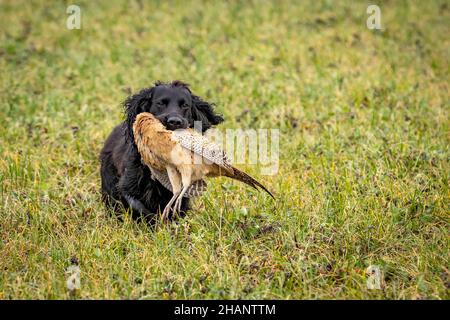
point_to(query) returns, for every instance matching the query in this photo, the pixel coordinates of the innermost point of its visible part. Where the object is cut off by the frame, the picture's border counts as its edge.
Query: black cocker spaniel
(126, 181)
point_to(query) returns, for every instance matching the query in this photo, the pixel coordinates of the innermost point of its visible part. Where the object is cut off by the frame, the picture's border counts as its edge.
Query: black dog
(126, 182)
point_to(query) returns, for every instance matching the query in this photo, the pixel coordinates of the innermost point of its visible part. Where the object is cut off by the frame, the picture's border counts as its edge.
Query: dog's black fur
(126, 181)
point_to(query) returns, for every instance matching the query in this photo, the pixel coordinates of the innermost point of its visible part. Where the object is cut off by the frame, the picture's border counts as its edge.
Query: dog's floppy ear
(204, 112)
(134, 105)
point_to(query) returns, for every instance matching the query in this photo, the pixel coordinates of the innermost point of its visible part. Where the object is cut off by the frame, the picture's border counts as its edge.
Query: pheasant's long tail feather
(243, 177)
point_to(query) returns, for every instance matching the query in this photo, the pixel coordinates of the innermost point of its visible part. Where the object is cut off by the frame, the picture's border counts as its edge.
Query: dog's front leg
(132, 187)
(137, 205)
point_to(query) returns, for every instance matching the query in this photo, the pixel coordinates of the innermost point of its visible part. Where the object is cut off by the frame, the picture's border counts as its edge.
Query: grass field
(364, 149)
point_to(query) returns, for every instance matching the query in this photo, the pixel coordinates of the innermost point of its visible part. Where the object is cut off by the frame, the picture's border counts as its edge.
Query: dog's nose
(175, 122)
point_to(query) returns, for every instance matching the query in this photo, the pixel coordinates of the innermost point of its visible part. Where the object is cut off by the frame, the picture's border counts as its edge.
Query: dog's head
(173, 104)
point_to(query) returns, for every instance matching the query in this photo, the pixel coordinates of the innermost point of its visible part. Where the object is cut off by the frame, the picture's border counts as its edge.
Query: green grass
(364, 149)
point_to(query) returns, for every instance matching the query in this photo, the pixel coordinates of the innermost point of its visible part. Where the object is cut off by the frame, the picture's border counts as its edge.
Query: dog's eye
(185, 106)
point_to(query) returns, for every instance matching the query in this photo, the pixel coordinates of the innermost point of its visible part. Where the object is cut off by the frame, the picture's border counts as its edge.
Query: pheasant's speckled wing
(196, 189)
(200, 145)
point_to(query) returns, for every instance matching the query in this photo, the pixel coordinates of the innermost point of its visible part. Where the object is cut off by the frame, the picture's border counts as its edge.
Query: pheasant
(181, 160)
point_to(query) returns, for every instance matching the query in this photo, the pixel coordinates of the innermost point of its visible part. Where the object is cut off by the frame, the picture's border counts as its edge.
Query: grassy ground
(364, 161)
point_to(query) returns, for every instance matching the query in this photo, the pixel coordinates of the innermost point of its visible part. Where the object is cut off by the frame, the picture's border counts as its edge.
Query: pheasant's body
(185, 156)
